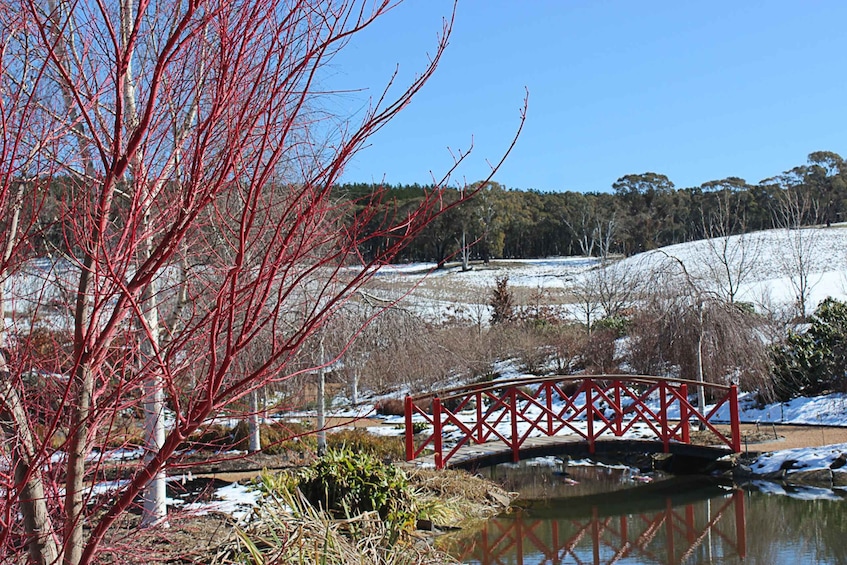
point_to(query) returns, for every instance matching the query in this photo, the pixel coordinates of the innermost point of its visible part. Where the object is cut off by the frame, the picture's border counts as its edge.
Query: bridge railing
(587, 406)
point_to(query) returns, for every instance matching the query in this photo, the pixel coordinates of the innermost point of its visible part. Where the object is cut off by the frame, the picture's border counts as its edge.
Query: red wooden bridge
(491, 422)
(675, 534)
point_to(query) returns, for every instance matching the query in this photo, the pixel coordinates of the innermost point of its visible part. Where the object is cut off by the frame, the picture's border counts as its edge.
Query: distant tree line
(642, 212)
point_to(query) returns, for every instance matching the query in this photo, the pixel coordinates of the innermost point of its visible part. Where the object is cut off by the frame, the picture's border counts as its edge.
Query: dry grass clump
(449, 498)
(287, 529)
(360, 440)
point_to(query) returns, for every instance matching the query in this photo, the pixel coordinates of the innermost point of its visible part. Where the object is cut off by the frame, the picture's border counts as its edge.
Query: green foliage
(618, 325)
(347, 483)
(287, 529)
(649, 211)
(814, 361)
(418, 427)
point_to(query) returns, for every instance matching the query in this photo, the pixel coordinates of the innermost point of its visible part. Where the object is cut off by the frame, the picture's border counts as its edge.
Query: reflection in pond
(685, 520)
(630, 530)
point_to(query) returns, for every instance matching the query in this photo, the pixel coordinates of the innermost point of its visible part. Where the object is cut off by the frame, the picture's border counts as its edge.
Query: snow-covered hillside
(765, 262)
(765, 265)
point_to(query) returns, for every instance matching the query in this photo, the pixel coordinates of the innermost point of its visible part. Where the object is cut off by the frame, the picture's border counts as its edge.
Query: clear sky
(695, 90)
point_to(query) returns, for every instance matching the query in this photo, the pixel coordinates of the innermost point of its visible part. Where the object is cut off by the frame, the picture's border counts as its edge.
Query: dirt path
(761, 437)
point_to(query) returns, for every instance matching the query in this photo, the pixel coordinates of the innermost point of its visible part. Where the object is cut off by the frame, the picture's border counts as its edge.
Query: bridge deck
(471, 456)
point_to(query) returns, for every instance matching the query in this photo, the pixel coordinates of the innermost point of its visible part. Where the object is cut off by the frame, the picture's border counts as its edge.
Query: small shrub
(213, 437)
(501, 301)
(619, 325)
(814, 361)
(419, 427)
(287, 437)
(347, 483)
(598, 352)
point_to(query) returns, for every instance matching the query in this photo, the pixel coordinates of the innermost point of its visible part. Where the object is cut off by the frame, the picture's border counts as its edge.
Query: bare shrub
(424, 355)
(531, 347)
(567, 341)
(598, 352)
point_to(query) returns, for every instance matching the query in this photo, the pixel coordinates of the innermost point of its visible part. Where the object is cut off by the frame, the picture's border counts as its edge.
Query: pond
(591, 514)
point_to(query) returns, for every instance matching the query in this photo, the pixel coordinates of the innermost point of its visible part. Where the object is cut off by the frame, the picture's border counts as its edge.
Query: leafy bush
(618, 324)
(814, 361)
(419, 427)
(347, 483)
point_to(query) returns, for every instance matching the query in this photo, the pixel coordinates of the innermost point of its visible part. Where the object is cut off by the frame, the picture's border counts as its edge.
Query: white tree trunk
(322, 404)
(254, 437)
(701, 390)
(155, 510)
(43, 548)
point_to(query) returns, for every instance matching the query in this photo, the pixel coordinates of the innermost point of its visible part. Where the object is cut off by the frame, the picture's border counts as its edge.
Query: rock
(817, 477)
(839, 462)
(839, 479)
(743, 471)
(788, 464)
(500, 498)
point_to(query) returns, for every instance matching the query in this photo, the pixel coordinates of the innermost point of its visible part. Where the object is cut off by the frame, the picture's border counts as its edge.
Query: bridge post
(734, 418)
(663, 415)
(589, 413)
(410, 429)
(516, 445)
(480, 437)
(548, 392)
(437, 439)
(618, 409)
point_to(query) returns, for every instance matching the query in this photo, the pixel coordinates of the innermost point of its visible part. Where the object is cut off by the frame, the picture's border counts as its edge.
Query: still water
(600, 515)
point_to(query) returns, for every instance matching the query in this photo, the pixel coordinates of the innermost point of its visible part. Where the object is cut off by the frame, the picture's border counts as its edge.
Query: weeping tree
(169, 161)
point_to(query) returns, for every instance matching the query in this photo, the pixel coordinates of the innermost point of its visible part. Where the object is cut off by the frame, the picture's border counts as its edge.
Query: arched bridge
(506, 420)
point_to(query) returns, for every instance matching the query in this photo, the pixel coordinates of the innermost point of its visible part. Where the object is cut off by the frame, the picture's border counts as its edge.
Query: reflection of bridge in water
(508, 420)
(706, 531)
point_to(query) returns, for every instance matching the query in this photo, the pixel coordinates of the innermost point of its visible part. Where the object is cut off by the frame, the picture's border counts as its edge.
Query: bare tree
(586, 294)
(732, 252)
(794, 210)
(607, 290)
(193, 180)
(593, 230)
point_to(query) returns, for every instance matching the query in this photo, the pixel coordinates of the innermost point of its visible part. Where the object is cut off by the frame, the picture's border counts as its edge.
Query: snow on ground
(802, 459)
(801, 492)
(767, 260)
(764, 261)
(234, 499)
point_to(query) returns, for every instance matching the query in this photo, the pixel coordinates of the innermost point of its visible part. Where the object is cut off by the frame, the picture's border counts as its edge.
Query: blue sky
(695, 90)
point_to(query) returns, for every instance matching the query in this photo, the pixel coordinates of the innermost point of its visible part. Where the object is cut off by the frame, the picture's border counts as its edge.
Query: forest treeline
(642, 212)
